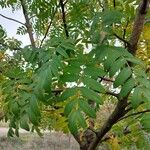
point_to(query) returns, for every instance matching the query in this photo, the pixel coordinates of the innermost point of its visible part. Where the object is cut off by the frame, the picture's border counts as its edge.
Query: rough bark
(138, 26)
(28, 23)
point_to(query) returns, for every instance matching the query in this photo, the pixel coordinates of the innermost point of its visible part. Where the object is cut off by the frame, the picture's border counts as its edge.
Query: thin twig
(112, 94)
(124, 31)
(121, 39)
(64, 18)
(12, 19)
(58, 91)
(106, 79)
(32, 17)
(134, 114)
(48, 28)
(114, 3)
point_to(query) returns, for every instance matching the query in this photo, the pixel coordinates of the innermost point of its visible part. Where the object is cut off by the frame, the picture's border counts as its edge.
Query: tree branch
(114, 117)
(12, 19)
(121, 39)
(134, 114)
(126, 131)
(114, 3)
(48, 28)
(106, 79)
(112, 94)
(138, 26)
(28, 24)
(125, 29)
(64, 18)
(147, 21)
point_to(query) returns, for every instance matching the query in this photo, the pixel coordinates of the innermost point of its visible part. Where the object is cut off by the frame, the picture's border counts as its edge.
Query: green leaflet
(101, 52)
(76, 120)
(15, 73)
(34, 105)
(29, 55)
(81, 119)
(54, 69)
(44, 78)
(68, 93)
(145, 121)
(127, 87)
(15, 108)
(57, 61)
(90, 94)
(55, 41)
(69, 78)
(24, 124)
(85, 107)
(124, 52)
(111, 16)
(21, 30)
(2, 32)
(24, 98)
(93, 84)
(68, 45)
(48, 70)
(33, 117)
(38, 131)
(10, 132)
(12, 123)
(17, 132)
(72, 69)
(112, 55)
(143, 81)
(140, 94)
(94, 71)
(95, 37)
(95, 22)
(61, 51)
(69, 107)
(123, 76)
(72, 123)
(134, 60)
(146, 94)
(42, 96)
(140, 73)
(118, 64)
(136, 98)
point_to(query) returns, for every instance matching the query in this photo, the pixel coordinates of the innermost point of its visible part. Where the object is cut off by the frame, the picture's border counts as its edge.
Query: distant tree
(86, 71)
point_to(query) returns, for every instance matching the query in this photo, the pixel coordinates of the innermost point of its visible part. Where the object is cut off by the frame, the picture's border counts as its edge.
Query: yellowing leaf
(146, 32)
(115, 143)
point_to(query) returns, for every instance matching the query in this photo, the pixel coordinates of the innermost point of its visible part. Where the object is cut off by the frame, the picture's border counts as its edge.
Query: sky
(11, 26)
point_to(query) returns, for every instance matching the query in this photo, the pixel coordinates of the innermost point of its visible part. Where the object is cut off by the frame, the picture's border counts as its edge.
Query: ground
(31, 141)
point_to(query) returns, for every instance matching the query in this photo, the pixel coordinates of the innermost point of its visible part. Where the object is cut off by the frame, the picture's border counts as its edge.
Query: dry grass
(28, 141)
(31, 141)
